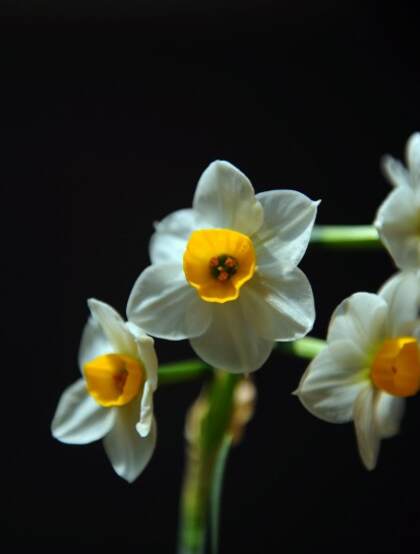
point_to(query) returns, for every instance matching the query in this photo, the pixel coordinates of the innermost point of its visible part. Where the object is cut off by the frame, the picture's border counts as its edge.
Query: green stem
(216, 493)
(306, 348)
(208, 435)
(345, 236)
(178, 372)
(210, 425)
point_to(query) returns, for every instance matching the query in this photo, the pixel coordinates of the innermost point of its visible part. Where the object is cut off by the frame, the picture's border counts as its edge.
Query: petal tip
(92, 302)
(370, 465)
(414, 141)
(143, 429)
(386, 161)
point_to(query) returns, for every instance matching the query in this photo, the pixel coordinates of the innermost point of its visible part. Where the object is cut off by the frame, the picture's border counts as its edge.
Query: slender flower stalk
(345, 236)
(306, 348)
(179, 372)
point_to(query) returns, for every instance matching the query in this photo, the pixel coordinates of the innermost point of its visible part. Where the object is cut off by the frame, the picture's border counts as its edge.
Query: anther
(223, 267)
(223, 275)
(120, 379)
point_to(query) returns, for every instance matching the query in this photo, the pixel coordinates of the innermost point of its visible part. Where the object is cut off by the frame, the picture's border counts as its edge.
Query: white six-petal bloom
(113, 400)
(398, 218)
(370, 364)
(224, 273)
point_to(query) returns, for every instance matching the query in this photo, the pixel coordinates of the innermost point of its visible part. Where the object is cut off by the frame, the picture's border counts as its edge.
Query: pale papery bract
(275, 304)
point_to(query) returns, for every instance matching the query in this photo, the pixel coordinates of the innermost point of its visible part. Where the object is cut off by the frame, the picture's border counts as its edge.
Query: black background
(110, 113)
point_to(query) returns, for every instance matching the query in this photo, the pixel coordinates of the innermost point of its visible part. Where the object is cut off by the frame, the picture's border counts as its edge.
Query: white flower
(224, 273)
(114, 398)
(398, 218)
(370, 364)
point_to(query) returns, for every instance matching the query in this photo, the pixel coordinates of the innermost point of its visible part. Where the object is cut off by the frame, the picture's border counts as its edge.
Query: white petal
(359, 319)
(329, 387)
(397, 223)
(387, 291)
(388, 412)
(127, 451)
(230, 343)
(414, 330)
(113, 327)
(78, 418)
(169, 241)
(289, 217)
(146, 352)
(401, 292)
(146, 411)
(413, 158)
(165, 305)
(93, 343)
(225, 198)
(280, 307)
(395, 172)
(398, 211)
(350, 356)
(367, 434)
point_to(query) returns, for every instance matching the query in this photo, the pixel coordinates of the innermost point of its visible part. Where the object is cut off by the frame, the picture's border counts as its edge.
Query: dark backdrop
(110, 113)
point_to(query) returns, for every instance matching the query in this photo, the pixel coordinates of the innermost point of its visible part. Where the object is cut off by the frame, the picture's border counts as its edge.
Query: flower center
(223, 267)
(396, 367)
(114, 379)
(217, 262)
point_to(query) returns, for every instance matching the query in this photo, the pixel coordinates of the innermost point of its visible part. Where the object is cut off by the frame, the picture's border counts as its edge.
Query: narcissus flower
(370, 365)
(113, 400)
(224, 273)
(398, 218)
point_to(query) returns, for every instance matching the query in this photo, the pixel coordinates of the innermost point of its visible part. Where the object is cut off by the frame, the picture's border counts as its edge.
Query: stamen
(223, 275)
(120, 379)
(223, 267)
(230, 262)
